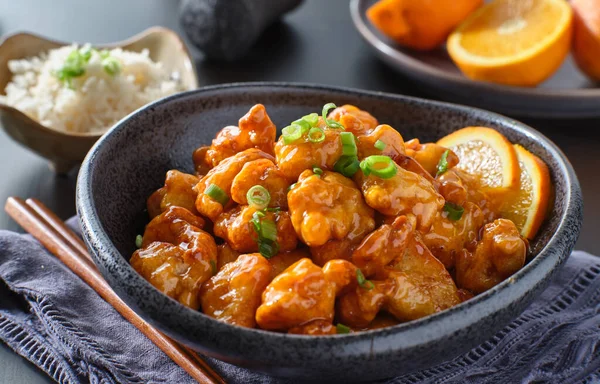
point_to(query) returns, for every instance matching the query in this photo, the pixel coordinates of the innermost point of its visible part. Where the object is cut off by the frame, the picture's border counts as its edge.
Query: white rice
(95, 100)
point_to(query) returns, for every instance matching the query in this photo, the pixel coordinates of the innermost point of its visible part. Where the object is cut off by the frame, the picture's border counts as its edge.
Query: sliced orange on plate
(513, 42)
(486, 154)
(527, 207)
(516, 178)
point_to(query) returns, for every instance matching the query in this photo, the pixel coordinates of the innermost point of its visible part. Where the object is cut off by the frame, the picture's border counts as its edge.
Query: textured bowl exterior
(130, 162)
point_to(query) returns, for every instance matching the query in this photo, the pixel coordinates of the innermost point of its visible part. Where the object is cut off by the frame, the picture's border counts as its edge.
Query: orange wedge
(513, 42)
(486, 154)
(527, 208)
(586, 38)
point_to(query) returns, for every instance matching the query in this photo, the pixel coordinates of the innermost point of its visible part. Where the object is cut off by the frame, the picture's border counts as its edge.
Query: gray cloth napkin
(53, 319)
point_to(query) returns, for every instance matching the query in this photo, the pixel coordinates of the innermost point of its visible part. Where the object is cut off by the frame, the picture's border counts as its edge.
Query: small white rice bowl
(94, 101)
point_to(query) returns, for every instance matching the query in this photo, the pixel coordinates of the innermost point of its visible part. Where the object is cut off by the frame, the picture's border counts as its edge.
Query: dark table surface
(316, 43)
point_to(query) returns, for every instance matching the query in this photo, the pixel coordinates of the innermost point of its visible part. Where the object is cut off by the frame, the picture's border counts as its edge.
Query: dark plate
(567, 94)
(130, 162)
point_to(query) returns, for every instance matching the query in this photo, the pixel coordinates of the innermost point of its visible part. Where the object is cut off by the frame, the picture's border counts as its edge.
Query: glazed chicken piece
(235, 227)
(255, 130)
(334, 249)
(500, 253)
(383, 245)
(429, 155)
(328, 207)
(413, 285)
(200, 166)
(447, 238)
(234, 294)
(342, 274)
(225, 255)
(353, 119)
(222, 176)
(261, 172)
(176, 255)
(404, 193)
(178, 191)
(294, 158)
(394, 144)
(299, 295)
(283, 260)
(459, 187)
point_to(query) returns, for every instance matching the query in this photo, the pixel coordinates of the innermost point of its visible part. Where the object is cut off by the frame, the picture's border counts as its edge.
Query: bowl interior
(137, 159)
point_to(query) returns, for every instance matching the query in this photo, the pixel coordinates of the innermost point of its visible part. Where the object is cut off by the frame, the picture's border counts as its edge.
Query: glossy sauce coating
(363, 252)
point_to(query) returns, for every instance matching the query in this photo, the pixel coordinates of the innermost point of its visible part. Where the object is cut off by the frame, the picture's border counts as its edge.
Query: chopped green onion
(443, 163)
(213, 267)
(347, 165)
(268, 230)
(455, 212)
(316, 135)
(312, 119)
(217, 194)
(302, 123)
(317, 171)
(111, 65)
(380, 166)
(86, 53)
(273, 209)
(267, 235)
(74, 66)
(292, 133)
(363, 282)
(330, 123)
(291, 187)
(348, 144)
(341, 328)
(138, 241)
(268, 248)
(380, 145)
(258, 196)
(104, 54)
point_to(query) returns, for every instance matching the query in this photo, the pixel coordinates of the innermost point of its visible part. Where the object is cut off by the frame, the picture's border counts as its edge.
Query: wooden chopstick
(49, 230)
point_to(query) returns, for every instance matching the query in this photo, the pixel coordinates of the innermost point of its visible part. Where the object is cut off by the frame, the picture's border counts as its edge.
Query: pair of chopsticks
(63, 243)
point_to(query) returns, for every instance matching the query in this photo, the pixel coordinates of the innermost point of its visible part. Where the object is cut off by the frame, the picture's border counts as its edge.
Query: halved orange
(514, 42)
(486, 154)
(528, 206)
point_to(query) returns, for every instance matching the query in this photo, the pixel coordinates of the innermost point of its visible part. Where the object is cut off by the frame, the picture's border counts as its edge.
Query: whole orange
(420, 24)
(586, 36)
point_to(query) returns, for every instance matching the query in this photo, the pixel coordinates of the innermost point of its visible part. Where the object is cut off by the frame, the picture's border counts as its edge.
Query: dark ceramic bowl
(130, 162)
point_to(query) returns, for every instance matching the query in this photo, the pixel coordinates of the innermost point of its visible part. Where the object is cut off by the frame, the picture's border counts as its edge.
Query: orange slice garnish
(528, 206)
(486, 154)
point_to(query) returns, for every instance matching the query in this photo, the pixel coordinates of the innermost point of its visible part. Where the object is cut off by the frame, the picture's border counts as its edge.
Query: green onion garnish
(291, 187)
(341, 328)
(213, 267)
(347, 165)
(380, 145)
(258, 196)
(74, 66)
(363, 282)
(312, 119)
(330, 123)
(381, 166)
(273, 209)
(111, 65)
(293, 132)
(316, 135)
(317, 171)
(455, 212)
(267, 235)
(217, 194)
(443, 163)
(348, 144)
(138, 241)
